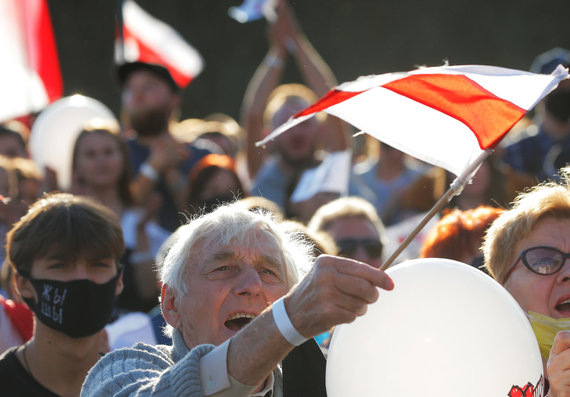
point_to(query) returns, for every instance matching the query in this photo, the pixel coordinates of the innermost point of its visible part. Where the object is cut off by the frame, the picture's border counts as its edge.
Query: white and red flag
(30, 76)
(447, 116)
(147, 39)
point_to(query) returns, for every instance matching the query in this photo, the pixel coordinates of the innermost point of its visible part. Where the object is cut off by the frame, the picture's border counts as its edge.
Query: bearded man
(160, 163)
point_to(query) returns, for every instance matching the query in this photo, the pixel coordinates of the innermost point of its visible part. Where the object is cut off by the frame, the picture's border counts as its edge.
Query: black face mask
(77, 308)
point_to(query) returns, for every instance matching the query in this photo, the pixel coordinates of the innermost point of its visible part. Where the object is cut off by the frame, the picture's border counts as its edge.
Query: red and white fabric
(147, 39)
(30, 75)
(446, 116)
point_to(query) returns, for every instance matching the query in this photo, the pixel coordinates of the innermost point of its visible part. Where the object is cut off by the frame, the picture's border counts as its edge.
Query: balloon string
(455, 189)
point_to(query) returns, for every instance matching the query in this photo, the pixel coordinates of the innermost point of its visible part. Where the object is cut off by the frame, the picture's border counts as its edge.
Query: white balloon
(54, 132)
(446, 330)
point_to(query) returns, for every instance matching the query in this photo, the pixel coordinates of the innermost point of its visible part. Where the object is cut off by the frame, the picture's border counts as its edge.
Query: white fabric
(216, 380)
(425, 132)
(129, 330)
(156, 234)
(332, 175)
(22, 89)
(162, 39)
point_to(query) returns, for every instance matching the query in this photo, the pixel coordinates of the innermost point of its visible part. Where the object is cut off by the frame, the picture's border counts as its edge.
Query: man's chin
(149, 124)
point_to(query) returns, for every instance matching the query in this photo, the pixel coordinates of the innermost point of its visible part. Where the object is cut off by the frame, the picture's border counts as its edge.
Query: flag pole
(454, 189)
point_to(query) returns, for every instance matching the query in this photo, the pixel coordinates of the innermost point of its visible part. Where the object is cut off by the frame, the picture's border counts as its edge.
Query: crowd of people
(184, 242)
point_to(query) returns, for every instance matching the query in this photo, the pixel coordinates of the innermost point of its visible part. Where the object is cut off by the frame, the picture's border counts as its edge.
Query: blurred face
(222, 183)
(148, 102)
(358, 238)
(99, 160)
(11, 147)
(227, 287)
(297, 145)
(548, 295)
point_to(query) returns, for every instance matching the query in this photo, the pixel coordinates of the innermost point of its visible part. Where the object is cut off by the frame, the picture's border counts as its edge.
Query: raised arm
(315, 71)
(266, 77)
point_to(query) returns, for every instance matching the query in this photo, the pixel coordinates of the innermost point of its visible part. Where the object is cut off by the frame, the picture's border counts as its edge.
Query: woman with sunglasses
(527, 250)
(355, 226)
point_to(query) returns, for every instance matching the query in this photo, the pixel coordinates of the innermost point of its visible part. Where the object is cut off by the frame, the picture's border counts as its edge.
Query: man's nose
(80, 271)
(249, 283)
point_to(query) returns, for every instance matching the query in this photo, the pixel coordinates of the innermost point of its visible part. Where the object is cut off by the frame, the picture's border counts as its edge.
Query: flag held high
(446, 116)
(449, 116)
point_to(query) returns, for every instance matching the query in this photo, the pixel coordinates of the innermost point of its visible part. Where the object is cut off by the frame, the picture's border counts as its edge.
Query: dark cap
(546, 62)
(126, 69)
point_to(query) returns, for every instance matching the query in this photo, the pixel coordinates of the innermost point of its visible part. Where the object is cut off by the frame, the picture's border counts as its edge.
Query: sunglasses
(347, 247)
(541, 260)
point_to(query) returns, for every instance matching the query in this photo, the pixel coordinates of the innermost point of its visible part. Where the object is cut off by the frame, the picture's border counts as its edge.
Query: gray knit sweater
(146, 370)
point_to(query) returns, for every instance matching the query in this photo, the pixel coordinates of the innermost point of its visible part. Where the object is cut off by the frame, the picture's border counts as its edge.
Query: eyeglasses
(348, 246)
(541, 260)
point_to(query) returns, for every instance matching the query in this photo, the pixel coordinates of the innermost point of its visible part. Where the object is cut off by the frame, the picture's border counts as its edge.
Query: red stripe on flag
(488, 116)
(148, 55)
(332, 98)
(41, 47)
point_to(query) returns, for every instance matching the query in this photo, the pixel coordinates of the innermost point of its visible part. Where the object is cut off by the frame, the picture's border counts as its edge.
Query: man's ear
(23, 287)
(169, 306)
(120, 284)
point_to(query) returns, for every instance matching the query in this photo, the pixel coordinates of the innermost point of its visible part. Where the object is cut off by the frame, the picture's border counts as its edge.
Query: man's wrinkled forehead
(264, 248)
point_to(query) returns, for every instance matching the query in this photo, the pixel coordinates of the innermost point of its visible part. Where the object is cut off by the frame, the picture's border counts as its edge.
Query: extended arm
(336, 291)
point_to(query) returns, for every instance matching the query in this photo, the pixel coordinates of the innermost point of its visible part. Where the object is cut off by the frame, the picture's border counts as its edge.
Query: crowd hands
(202, 264)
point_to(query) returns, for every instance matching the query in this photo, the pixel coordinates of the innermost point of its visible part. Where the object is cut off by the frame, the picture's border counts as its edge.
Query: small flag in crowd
(446, 116)
(30, 76)
(331, 176)
(147, 39)
(252, 10)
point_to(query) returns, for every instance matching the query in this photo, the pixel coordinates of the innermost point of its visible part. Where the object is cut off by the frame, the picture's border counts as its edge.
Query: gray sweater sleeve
(145, 370)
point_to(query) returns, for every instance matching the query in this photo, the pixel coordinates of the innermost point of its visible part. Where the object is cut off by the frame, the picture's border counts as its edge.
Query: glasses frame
(522, 257)
(362, 242)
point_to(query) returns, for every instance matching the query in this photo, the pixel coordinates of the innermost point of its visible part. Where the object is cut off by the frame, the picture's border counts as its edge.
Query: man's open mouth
(238, 321)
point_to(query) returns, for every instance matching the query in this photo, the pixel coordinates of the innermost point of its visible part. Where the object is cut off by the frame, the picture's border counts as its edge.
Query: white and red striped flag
(30, 76)
(147, 39)
(447, 116)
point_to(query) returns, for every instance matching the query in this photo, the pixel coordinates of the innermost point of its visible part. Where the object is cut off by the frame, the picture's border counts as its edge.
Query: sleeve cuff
(214, 375)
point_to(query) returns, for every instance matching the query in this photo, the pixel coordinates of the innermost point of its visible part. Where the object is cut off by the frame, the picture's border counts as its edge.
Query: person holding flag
(241, 313)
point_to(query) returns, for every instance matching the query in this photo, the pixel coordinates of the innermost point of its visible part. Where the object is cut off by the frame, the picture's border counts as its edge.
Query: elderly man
(232, 297)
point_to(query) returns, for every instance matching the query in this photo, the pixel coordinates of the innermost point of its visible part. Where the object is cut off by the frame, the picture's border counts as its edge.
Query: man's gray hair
(233, 224)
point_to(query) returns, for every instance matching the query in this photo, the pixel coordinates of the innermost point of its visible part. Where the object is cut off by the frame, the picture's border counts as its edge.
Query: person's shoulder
(270, 169)
(140, 357)
(365, 168)
(15, 380)
(141, 352)
(8, 356)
